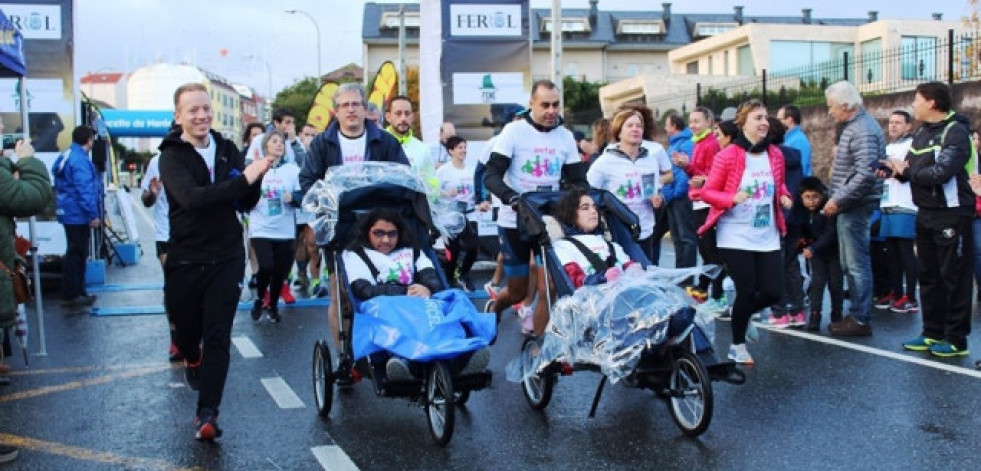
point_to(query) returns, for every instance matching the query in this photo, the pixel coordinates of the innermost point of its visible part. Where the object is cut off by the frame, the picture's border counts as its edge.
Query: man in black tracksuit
(935, 169)
(207, 185)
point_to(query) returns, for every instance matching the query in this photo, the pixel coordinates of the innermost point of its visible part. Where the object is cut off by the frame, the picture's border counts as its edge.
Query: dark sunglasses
(378, 233)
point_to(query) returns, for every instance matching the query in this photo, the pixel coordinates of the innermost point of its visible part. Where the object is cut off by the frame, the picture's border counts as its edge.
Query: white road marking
(282, 393)
(333, 458)
(878, 352)
(245, 347)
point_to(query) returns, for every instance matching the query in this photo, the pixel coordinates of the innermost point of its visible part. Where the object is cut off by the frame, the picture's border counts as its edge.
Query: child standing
(819, 245)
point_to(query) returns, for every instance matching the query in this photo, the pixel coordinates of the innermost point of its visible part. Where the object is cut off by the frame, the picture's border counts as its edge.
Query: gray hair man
(854, 194)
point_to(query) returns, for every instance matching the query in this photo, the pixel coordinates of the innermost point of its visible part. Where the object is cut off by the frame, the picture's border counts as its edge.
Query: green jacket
(19, 197)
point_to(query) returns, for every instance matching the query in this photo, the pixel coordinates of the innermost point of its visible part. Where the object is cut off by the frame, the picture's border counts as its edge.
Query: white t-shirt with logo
(897, 194)
(161, 208)
(208, 154)
(273, 217)
(459, 179)
(353, 150)
(566, 252)
(536, 161)
(750, 225)
(633, 182)
(396, 267)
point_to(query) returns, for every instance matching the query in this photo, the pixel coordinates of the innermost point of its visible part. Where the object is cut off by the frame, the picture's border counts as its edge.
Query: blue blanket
(444, 326)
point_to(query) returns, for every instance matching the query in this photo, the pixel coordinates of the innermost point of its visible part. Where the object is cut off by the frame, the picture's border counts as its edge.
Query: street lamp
(317, 28)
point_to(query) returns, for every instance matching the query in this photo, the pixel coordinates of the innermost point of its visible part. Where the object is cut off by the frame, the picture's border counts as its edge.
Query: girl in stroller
(383, 260)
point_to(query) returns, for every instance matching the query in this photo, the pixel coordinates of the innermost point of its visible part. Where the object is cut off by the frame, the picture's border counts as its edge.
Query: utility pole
(402, 78)
(557, 48)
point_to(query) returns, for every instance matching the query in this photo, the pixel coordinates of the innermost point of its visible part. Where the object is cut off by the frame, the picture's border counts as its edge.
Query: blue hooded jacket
(77, 187)
(681, 142)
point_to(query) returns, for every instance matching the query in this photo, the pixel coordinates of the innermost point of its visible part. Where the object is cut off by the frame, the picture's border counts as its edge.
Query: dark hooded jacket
(936, 172)
(325, 152)
(204, 225)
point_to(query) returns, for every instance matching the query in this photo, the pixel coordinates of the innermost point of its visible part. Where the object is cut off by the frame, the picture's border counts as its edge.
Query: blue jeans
(856, 260)
(977, 251)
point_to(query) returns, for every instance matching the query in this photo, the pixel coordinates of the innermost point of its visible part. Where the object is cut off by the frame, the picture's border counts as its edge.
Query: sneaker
(465, 284)
(287, 294)
(752, 333)
(712, 306)
(798, 320)
(492, 291)
(725, 315)
(849, 327)
(192, 374)
(945, 349)
(173, 354)
(8, 453)
(739, 354)
(397, 369)
(206, 426)
(779, 322)
(920, 344)
(478, 362)
(274, 315)
(527, 316)
(257, 310)
(884, 301)
(905, 305)
(265, 300)
(696, 294)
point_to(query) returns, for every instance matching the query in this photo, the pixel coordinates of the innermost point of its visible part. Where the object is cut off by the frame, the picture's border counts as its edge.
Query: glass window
(745, 57)
(691, 68)
(919, 57)
(871, 61)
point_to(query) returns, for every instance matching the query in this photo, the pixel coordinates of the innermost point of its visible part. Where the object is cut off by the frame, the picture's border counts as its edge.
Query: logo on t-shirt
(400, 268)
(539, 167)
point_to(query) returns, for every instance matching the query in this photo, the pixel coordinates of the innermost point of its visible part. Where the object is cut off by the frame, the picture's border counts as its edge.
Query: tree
(297, 98)
(580, 95)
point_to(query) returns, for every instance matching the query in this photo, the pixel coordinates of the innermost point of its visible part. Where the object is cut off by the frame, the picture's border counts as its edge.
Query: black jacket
(325, 152)
(819, 233)
(936, 173)
(204, 226)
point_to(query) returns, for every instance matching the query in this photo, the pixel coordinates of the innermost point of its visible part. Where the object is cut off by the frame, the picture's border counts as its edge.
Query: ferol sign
(485, 20)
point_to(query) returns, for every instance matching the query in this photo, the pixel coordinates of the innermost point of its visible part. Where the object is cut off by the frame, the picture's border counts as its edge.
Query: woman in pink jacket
(743, 188)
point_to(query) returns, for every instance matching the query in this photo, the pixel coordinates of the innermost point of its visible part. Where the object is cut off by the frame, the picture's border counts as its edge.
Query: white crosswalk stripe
(245, 347)
(282, 393)
(333, 458)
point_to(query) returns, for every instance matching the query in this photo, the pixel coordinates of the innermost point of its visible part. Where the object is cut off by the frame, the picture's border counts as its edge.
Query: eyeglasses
(378, 234)
(351, 104)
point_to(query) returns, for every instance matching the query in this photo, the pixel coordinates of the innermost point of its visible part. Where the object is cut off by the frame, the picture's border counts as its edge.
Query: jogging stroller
(612, 329)
(439, 386)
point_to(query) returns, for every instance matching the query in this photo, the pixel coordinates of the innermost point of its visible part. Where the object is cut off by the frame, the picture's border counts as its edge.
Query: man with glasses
(350, 138)
(533, 154)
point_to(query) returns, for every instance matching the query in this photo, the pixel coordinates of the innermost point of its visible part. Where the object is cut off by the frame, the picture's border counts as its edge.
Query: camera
(10, 140)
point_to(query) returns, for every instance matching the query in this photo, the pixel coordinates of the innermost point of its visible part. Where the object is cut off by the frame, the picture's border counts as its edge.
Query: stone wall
(820, 127)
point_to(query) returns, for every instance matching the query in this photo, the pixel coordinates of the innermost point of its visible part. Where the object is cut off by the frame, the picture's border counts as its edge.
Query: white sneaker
(739, 354)
(752, 333)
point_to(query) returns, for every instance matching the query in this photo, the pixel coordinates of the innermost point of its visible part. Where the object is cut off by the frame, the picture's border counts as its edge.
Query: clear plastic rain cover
(323, 197)
(610, 325)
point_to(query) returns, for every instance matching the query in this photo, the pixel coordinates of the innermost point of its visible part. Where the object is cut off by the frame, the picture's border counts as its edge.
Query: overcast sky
(239, 38)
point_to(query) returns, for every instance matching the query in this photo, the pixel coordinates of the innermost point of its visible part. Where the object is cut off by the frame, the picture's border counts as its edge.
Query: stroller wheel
(440, 402)
(323, 378)
(690, 399)
(538, 387)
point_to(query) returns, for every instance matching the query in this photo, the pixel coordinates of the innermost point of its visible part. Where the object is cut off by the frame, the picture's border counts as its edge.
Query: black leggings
(758, 277)
(463, 251)
(903, 260)
(275, 257)
(711, 254)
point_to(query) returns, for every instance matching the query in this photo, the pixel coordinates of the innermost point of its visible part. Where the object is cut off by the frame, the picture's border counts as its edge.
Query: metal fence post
(698, 94)
(844, 65)
(764, 86)
(950, 56)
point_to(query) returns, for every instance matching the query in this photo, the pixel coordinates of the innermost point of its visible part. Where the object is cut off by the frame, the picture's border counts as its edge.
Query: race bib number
(649, 183)
(274, 207)
(762, 217)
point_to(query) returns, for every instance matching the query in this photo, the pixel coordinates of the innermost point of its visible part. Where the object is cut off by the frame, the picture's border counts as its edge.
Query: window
(919, 57)
(725, 62)
(812, 61)
(390, 19)
(569, 25)
(871, 61)
(691, 68)
(572, 69)
(745, 61)
(704, 30)
(639, 27)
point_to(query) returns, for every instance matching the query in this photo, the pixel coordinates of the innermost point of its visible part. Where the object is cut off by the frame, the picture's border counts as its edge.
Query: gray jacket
(860, 146)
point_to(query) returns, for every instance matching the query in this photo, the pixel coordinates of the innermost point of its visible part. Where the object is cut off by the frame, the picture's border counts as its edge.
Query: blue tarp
(12, 63)
(444, 326)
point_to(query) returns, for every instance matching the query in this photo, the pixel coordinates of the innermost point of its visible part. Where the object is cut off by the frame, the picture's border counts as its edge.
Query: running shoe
(884, 301)
(287, 294)
(174, 354)
(798, 320)
(192, 374)
(739, 354)
(206, 426)
(920, 344)
(779, 322)
(492, 291)
(946, 349)
(905, 305)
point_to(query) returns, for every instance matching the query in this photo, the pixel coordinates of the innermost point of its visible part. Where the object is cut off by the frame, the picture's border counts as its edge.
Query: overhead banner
(485, 64)
(137, 123)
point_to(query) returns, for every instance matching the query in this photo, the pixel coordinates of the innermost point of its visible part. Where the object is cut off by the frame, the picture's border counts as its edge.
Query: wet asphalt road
(105, 398)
